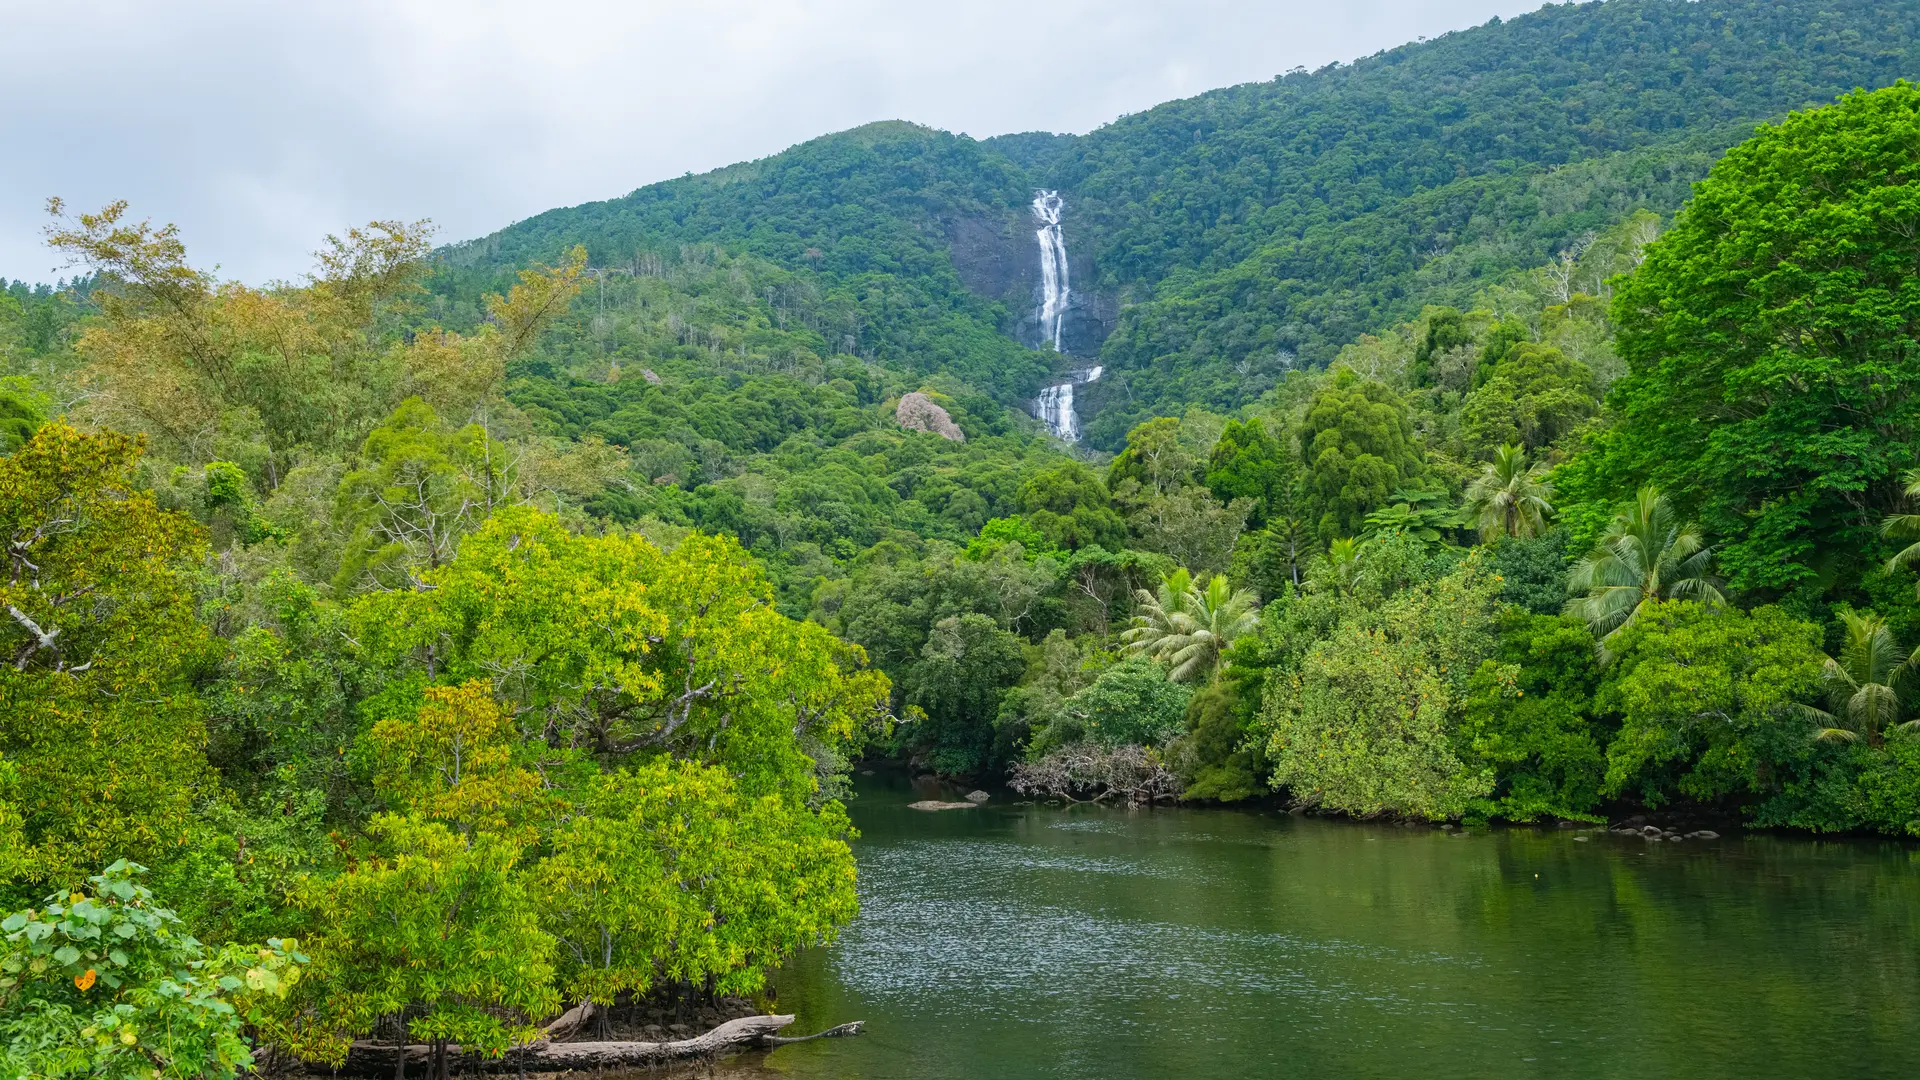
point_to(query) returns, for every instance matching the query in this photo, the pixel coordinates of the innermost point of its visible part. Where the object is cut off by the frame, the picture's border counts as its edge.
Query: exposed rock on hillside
(917, 412)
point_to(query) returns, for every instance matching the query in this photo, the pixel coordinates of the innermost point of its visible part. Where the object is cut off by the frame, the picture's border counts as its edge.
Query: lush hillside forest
(1228, 238)
(493, 628)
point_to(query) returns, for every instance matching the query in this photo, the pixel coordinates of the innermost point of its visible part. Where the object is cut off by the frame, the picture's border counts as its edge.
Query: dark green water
(1027, 941)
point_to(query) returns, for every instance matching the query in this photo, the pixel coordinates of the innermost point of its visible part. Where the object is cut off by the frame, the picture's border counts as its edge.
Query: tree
(610, 646)
(1509, 497)
(1706, 697)
(1131, 702)
(1215, 757)
(1769, 337)
(454, 761)
(1528, 717)
(186, 358)
(433, 923)
(101, 646)
(1189, 627)
(669, 873)
(1646, 555)
(179, 355)
(966, 664)
(106, 983)
(1248, 463)
(1359, 446)
(1365, 723)
(1417, 514)
(1864, 682)
(1189, 527)
(1447, 331)
(1535, 397)
(1154, 461)
(422, 485)
(1069, 505)
(421, 489)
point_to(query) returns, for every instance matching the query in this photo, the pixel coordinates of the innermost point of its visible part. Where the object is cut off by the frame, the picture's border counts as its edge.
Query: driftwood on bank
(745, 1033)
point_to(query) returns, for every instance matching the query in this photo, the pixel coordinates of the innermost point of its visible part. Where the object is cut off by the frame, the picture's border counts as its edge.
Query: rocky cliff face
(998, 258)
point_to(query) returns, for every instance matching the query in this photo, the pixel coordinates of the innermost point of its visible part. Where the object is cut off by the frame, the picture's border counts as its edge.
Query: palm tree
(1905, 525)
(1340, 567)
(1647, 555)
(1509, 498)
(1190, 628)
(1863, 684)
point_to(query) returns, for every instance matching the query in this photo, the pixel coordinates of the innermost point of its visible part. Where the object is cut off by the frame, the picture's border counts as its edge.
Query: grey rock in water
(917, 412)
(977, 797)
(1703, 834)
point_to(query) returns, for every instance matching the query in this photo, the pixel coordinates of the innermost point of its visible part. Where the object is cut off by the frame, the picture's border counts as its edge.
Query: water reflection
(1035, 942)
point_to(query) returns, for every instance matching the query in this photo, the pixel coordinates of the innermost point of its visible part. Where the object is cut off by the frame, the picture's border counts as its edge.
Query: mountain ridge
(1218, 240)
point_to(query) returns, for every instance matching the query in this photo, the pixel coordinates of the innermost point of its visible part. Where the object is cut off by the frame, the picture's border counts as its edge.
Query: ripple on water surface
(1034, 942)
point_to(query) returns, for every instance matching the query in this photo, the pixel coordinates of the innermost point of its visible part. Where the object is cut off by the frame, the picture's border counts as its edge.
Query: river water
(1013, 941)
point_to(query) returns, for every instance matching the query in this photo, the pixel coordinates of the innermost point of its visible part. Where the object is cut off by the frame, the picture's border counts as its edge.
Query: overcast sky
(260, 126)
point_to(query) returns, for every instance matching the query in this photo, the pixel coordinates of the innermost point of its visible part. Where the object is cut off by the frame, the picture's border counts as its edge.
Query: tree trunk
(748, 1032)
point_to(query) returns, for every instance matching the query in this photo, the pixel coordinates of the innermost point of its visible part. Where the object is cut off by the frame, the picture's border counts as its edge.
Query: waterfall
(1054, 291)
(1054, 406)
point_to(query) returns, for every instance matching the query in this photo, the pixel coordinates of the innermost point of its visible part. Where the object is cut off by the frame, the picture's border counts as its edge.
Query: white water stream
(1054, 289)
(1054, 406)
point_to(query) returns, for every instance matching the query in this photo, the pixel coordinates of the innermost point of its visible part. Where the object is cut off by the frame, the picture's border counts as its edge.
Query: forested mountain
(1502, 427)
(1227, 237)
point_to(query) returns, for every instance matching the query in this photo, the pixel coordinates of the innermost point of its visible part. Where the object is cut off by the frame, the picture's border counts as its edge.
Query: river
(1015, 941)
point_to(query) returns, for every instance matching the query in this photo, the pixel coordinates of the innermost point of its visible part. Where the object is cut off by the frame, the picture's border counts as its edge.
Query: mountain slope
(1222, 238)
(1232, 215)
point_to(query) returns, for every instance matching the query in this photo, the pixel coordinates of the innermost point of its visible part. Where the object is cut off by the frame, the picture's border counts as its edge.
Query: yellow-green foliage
(670, 872)
(1364, 725)
(100, 640)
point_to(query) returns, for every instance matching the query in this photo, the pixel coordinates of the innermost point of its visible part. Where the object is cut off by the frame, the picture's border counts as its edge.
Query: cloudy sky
(260, 126)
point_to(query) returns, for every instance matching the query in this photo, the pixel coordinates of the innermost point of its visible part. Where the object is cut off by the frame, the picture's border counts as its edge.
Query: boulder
(918, 412)
(978, 796)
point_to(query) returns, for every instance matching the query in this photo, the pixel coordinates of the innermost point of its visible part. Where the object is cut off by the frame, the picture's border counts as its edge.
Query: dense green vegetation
(331, 650)
(493, 629)
(1252, 230)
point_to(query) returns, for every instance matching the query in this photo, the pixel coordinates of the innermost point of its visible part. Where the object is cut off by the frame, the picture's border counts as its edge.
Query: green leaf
(66, 954)
(14, 922)
(117, 957)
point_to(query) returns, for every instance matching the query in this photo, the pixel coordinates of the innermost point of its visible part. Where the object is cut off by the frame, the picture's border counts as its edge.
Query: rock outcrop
(918, 412)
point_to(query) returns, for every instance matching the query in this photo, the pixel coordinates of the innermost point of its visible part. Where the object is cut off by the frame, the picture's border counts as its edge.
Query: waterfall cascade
(1054, 406)
(1054, 289)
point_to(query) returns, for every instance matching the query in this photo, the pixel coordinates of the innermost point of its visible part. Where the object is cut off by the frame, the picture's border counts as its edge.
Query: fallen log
(545, 1055)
